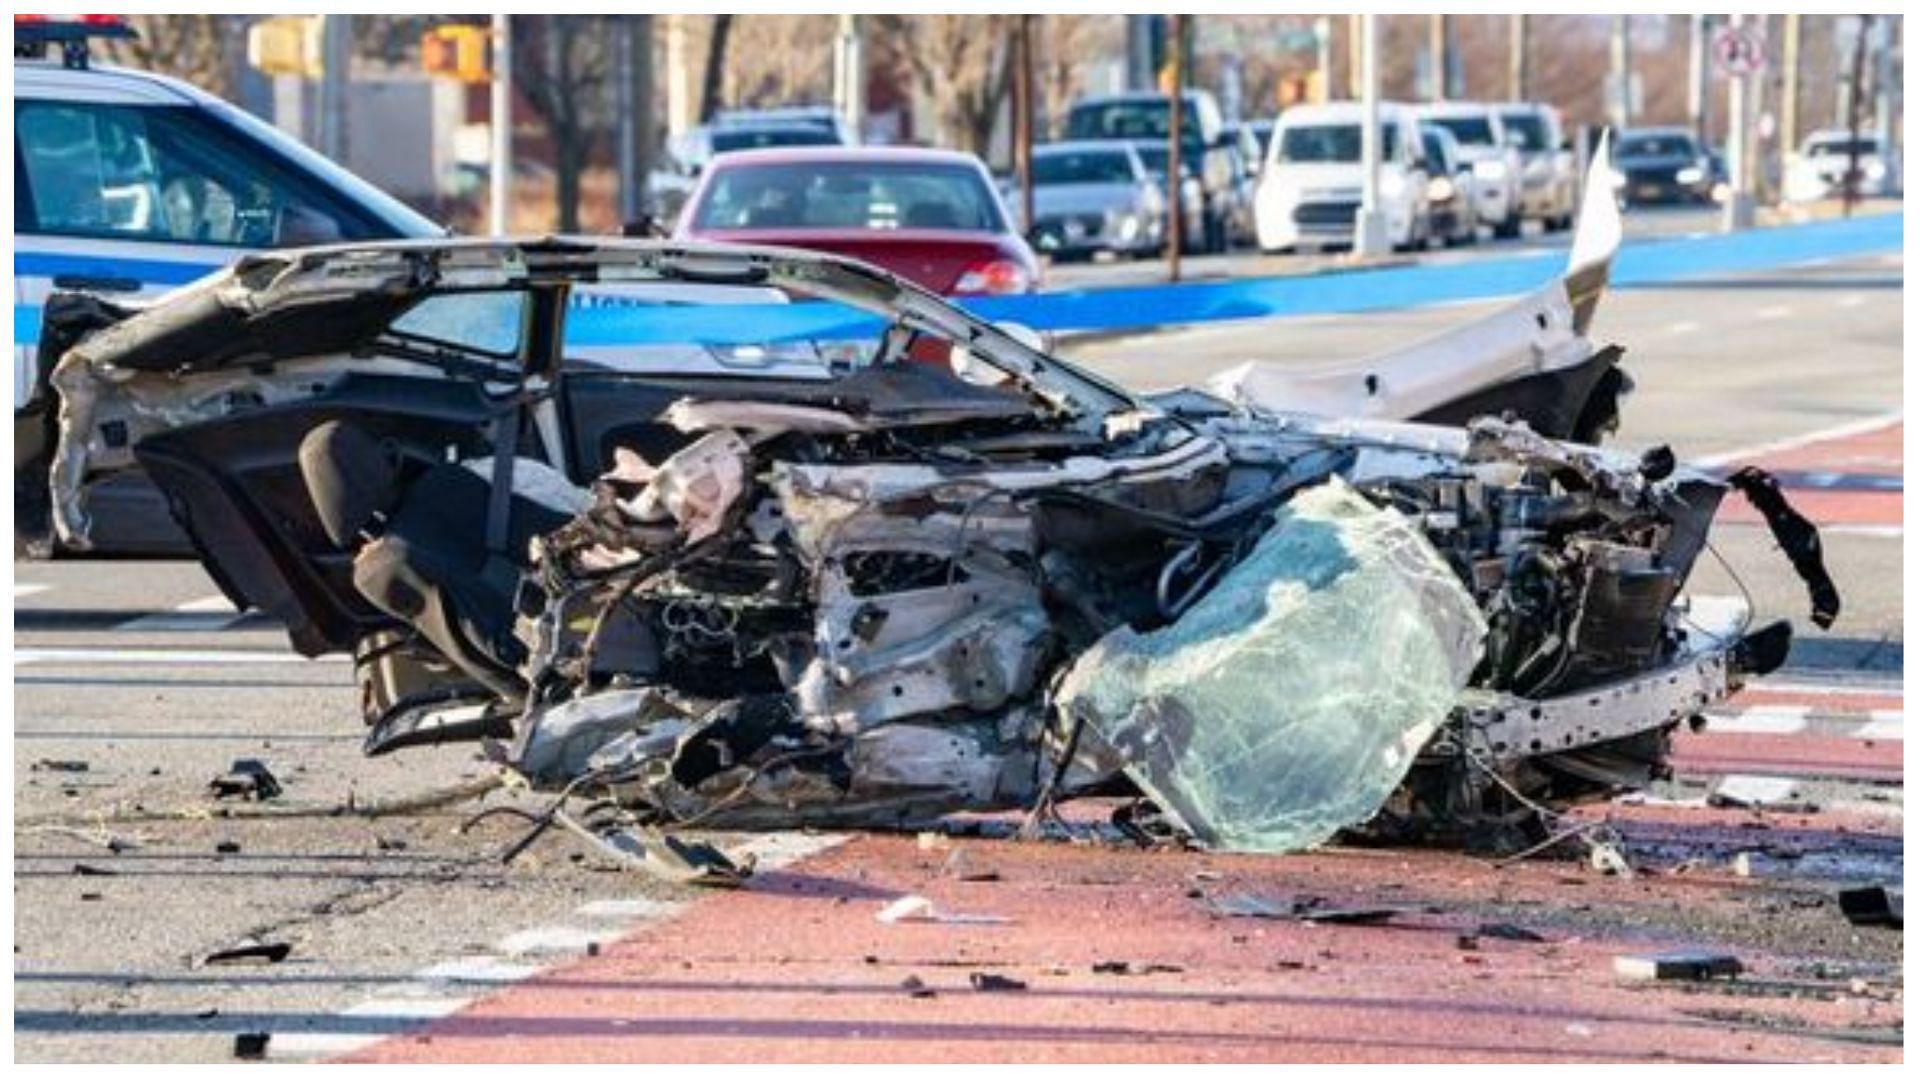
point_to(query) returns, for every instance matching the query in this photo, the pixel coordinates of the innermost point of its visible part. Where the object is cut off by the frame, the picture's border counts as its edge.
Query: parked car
(1204, 147)
(1819, 170)
(1309, 191)
(1095, 197)
(697, 149)
(933, 217)
(819, 117)
(131, 184)
(1549, 188)
(1193, 196)
(1449, 188)
(1495, 158)
(1661, 165)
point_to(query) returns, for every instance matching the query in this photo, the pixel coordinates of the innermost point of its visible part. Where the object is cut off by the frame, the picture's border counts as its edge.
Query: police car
(130, 184)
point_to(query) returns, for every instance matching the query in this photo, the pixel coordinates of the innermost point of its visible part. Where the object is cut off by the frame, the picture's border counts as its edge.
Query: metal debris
(1677, 965)
(268, 952)
(1871, 906)
(251, 1046)
(988, 981)
(916, 909)
(247, 778)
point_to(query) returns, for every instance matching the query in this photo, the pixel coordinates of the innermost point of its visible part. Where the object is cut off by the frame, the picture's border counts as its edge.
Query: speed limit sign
(1739, 51)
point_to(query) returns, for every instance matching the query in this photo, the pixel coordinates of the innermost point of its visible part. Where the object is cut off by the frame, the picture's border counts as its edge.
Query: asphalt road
(127, 875)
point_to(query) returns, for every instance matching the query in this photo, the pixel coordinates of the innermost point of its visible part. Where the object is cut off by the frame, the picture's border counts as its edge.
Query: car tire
(1508, 229)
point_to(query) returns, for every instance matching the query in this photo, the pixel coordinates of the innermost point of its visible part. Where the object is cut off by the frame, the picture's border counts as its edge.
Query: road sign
(1739, 51)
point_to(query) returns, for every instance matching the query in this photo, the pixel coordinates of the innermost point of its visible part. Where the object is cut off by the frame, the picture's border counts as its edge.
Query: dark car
(1662, 165)
(930, 216)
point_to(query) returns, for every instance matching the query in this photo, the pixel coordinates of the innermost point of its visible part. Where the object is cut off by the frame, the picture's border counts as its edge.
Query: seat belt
(506, 446)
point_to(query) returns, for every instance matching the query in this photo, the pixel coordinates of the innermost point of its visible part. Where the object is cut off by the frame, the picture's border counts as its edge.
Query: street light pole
(336, 52)
(1739, 210)
(1023, 116)
(1622, 104)
(1176, 206)
(850, 77)
(1370, 225)
(500, 108)
(1517, 59)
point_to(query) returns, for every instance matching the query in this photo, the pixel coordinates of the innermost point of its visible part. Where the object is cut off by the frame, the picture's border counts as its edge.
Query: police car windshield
(1532, 130)
(1469, 130)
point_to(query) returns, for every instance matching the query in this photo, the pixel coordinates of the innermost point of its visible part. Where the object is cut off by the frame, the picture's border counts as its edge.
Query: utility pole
(637, 133)
(1437, 57)
(1620, 110)
(1517, 58)
(1370, 225)
(1023, 116)
(1739, 211)
(1789, 93)
(1884, 84)
(336, 53)
(1697, 100)
(500, 122)
(1850, 190)
(1323, 57)
(1355, 32)
(850, 77)
(680, 103)
(1176, 206)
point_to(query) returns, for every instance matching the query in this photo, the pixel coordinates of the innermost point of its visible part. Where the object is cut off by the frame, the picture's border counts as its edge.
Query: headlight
(1875, 170)
(1490, 169)
(1439, 189)
(1124, 224)
(1692, 174)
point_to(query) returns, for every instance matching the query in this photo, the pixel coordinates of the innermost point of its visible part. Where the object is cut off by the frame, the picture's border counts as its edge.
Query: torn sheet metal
(1291, 700)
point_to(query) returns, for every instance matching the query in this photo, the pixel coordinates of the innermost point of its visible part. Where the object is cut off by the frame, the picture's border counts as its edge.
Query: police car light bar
(32, 34)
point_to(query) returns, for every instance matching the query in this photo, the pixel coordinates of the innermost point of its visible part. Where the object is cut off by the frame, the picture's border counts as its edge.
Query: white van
(1309, 192)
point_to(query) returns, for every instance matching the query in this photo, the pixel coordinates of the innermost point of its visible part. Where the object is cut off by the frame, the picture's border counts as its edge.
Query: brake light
(995, 277)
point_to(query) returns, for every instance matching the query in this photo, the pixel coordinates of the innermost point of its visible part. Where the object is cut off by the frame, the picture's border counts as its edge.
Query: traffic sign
(1739, 51)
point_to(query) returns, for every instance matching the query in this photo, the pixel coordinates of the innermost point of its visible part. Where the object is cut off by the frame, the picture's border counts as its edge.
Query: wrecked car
(902, 590)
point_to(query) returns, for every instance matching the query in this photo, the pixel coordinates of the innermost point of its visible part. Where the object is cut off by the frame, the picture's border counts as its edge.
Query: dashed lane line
(215, 613)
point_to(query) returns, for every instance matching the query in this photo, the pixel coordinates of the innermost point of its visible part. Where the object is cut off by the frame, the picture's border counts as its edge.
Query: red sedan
(930, 216)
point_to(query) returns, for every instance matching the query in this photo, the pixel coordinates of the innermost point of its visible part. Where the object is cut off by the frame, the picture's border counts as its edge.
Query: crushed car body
(903, 590)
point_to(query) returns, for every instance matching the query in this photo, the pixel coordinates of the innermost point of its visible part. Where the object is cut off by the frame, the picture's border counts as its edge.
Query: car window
(727, 140)
(1315, 143)
(1143, 119)
(1082, 167)
(1436, 148)
(486, 322)
(1532, 129)
(1841, 147)
(848, 195)
(1469, 130)
(167, 175)
(1656, 146)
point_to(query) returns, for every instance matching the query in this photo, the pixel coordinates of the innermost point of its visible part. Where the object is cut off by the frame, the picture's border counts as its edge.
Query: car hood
(1304, 176)
(931, 258)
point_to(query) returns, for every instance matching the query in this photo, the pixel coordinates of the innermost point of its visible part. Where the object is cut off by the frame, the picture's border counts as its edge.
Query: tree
(205, 50)
(958, 63)
(562, 67)
(710, 83)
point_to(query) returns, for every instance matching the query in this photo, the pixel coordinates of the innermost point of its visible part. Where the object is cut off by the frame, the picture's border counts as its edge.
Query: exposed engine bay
(901, 590)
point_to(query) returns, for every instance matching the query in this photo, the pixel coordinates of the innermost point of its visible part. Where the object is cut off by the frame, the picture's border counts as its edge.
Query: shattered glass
(1291, 700)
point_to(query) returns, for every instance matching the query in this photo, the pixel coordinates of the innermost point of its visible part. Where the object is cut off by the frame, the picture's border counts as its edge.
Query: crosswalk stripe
(1771, 720)
(164, 657)
(27, 589)
(215, 613)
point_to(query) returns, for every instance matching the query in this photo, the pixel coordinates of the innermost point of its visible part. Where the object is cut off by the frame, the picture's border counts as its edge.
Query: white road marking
(406, 1009)
(1754, 790)
(1879, 688)
(1887, 725)
(1885, 532)
(628, 908)
(163, 657)
(302, 1046)
(554, 941)
(213, 613)
(27, 589)
(1684, 326)
(1838, 431)
(482, 969)
(1852, 300)
(1770, 720)
(1773, 311)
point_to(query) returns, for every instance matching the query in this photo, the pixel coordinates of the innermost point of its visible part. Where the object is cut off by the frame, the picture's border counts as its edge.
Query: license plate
(1647, 191)
(1075, 230)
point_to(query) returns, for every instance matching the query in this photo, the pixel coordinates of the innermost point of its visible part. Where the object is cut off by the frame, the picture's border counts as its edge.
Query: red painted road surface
(797, 968)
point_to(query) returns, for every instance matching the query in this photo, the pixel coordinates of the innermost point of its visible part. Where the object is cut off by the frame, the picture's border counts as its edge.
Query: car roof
(48, 80)
(1842, 133)
(902, 154)
(1085, 146)
(1455, 108)
(1660, 129)
(1132, 96)
(1351, 112)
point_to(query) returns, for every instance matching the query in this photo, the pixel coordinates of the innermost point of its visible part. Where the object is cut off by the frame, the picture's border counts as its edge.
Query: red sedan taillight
(995, 277)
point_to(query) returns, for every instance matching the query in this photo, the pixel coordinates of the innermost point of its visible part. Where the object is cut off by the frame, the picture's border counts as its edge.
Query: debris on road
(914, 908)
(266, 952)
(227, 848)
(61, 765)
(1302, 909)
(247, 778)
(1508, 931)
(1132, 968)
(1871, 906)
(1746, 790)
(1677, 965)
(915, 987)
(88, 869)
(988, 981)
(251, 1046)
